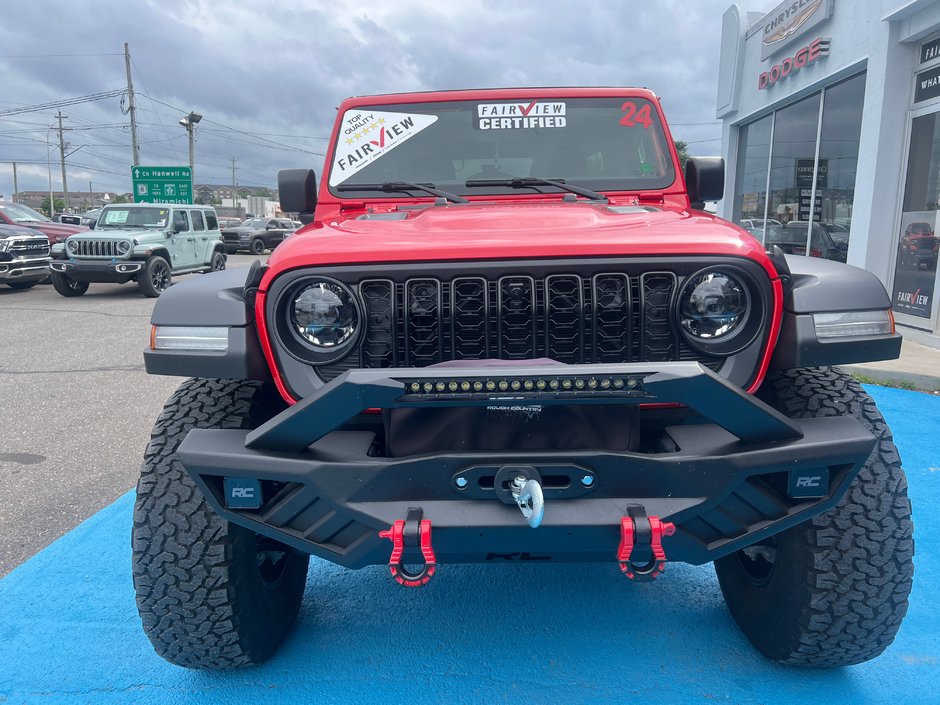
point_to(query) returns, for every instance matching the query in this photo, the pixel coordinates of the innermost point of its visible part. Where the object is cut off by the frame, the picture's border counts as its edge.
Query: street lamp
(189, 122)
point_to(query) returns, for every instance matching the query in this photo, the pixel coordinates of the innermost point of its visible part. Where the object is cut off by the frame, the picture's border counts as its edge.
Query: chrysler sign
(790, 20)
(790, 65)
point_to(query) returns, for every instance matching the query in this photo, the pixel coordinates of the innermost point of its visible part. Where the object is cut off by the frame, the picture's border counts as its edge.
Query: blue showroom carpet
(69, 630)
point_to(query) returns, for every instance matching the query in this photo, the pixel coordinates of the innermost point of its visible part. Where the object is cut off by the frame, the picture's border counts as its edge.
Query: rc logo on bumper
(812, 484)
(242, 493)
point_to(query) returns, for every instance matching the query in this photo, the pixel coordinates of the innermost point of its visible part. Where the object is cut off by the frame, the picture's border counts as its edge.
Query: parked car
(24, 256)
(229, 222)
(919, 246)
(791, 238)
(757, 223)
(571, 363)
(69, 218)
(257, 235)
(18, 214)
(89, 218)
(148, 243)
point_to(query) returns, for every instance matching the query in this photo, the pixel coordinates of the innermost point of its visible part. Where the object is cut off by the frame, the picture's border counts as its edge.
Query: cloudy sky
(267, 76)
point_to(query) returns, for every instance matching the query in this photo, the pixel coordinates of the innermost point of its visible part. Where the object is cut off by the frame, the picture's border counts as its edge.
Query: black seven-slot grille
(97, 248)
(607, 317)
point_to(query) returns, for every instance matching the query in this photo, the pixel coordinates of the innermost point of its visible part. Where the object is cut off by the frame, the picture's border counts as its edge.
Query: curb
(895, 378)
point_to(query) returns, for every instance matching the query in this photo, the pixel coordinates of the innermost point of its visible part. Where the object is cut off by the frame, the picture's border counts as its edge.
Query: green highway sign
(162, 184)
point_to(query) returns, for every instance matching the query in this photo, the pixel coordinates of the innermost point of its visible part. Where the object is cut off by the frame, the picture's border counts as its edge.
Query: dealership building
(830, 115)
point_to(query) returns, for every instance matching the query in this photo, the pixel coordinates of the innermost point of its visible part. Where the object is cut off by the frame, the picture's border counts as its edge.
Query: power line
(46, 56)
(155, 111)
(62, 103)
(292, 148)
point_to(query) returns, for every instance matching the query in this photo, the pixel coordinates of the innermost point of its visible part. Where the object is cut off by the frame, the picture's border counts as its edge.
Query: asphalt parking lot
(76, 408)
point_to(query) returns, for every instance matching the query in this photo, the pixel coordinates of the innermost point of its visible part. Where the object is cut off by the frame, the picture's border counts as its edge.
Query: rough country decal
(508, 116)
(365, 135)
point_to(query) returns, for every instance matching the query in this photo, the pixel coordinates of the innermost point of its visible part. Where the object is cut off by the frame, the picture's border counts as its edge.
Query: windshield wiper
(392, 186)
(531, 181)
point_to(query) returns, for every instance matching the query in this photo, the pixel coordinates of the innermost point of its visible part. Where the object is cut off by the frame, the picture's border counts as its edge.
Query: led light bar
(853, 324)
(527, 386)
(203, 338)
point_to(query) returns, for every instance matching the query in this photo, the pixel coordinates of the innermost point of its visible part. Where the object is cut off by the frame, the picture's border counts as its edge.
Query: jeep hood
(515, 231)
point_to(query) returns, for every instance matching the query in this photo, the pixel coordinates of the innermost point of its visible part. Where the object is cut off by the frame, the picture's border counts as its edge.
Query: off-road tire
(67, 286)
(217, 263)
(155, 277)
(257, 246)
(837, 590)
(20, 286)
(200, 592)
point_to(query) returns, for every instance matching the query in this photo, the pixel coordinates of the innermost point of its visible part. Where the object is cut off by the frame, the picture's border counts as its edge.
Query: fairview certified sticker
(509, 116)
(365, 135)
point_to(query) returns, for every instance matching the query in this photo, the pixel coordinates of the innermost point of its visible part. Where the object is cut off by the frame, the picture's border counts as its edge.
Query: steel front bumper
(24, 270)
(726, 484)
(114, 271)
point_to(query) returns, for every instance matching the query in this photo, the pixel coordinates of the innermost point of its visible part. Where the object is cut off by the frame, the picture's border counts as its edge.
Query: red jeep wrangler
(507, 332)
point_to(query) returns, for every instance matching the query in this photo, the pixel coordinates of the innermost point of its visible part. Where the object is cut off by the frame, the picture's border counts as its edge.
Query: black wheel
(155, 277)
(218, 262)
(22, 285)
(67, 286)
(257, 246)
(211, 595)
(833, 590)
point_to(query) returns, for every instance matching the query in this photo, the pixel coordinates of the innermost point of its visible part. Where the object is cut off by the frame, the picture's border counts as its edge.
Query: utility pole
(132, 110)
(15, 189)
(65, 185)
(234, 202)
(91, 196)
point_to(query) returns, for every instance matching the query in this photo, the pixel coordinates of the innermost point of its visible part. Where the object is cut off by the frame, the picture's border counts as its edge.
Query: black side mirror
(705, 180)
(297, 189)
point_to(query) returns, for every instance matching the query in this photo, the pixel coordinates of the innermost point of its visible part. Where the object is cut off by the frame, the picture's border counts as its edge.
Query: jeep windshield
(502, 147)
(133, 217)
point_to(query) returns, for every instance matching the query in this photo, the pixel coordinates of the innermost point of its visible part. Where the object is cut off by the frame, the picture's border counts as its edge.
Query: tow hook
(641, 554)
(529, 499)
(411, 535)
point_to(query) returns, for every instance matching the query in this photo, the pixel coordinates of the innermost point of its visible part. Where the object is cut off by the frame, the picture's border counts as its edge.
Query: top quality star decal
(365, 130)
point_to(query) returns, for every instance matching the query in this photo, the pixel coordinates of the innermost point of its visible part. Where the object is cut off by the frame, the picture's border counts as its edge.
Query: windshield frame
(670, 183)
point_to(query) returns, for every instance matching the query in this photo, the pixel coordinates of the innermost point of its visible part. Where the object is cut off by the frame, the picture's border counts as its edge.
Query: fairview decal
(508, 116)
(366, 135)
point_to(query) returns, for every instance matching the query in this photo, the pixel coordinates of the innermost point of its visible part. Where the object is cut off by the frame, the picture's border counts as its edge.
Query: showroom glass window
(750, 196)
(794, 146)
(916, 264)
(793, 167)
(838, 160)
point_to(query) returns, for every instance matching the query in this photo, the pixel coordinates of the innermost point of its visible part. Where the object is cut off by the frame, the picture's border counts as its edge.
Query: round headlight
(712, 306)
(123, 246)
(72, 245)
(324, 315)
